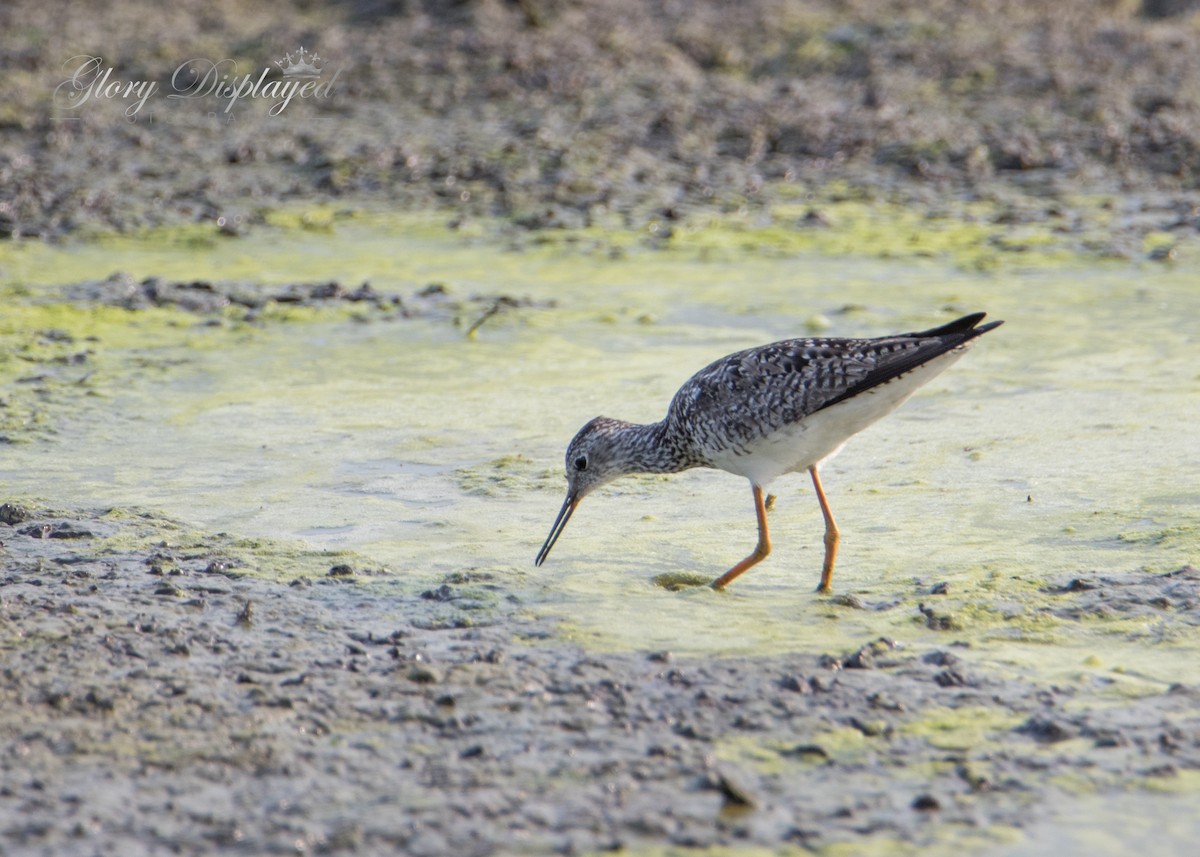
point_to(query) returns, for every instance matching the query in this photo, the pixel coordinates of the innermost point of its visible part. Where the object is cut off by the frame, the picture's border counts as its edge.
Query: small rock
(424, 674)
(327, 291)
(821, 684)
(884, 701)
(926, 803)
(365, 293)
(10, 513)
(442, 593)
(950, 678)
(814, 217)
(938, 621)
(99, 701)
(1167, 770)
(865, 658)
(829, 662)
(804, 750)
(1046, 730)
(36, 531)
(870, 728)
(67, 530)
(796, 684)
(735, 793)
(977, 782)
(1107, 738)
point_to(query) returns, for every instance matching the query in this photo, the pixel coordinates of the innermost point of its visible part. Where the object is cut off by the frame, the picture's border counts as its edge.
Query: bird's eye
(581, 463)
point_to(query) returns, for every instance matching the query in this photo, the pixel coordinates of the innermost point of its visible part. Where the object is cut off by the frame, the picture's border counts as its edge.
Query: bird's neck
(651, 448)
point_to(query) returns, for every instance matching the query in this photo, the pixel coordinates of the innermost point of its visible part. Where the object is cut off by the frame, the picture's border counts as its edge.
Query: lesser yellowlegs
(760, 413)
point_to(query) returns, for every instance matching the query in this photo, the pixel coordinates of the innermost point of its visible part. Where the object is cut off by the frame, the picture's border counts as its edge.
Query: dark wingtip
(968, 335)
(965, 325)
(966, 322)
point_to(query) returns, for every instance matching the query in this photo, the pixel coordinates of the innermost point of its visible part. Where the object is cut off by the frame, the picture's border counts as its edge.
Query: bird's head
(594, 458)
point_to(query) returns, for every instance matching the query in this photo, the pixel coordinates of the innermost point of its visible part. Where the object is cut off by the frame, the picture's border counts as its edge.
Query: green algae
(1185, 536)
(851, 227)
(435, 454)
(976, 730)
(506, 476)
(966, 728)
(1099, 783)
(51, 354)
(674, 581)
(835, 220)
(940, 839)
(977, 235)
(1176, 782)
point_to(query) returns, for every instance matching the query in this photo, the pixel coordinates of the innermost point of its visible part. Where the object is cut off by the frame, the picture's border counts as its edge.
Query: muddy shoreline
(162, 696)
(617, 115)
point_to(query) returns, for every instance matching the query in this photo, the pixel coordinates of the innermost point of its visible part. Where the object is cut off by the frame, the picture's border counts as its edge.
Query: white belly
(819, 436)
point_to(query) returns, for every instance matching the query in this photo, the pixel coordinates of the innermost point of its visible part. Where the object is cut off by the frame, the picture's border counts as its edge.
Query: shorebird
(760, 413)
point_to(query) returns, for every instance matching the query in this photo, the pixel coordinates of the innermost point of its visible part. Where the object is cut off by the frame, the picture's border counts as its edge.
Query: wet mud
(556, 115)
(160, 695)
(242, 301)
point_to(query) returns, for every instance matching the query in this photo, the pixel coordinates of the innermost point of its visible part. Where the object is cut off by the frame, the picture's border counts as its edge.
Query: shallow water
(1059, 446)
(1062, 445)
(1164, 822)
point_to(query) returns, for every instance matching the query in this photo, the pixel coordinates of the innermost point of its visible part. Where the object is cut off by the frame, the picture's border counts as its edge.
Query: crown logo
(303, 65)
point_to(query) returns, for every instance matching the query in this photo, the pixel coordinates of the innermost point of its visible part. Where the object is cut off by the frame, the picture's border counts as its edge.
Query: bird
(785, 407)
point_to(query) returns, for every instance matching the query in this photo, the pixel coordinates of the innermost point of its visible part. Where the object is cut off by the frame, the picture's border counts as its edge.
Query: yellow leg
(760, 550)
(831, 535)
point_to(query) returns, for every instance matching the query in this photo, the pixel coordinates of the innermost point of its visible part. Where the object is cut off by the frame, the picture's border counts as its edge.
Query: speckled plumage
(766, 411)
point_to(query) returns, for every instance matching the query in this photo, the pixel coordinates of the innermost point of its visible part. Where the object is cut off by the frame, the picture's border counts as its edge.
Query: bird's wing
(752, 393)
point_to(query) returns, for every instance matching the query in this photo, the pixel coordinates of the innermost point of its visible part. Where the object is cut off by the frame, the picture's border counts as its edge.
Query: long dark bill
(560, 524)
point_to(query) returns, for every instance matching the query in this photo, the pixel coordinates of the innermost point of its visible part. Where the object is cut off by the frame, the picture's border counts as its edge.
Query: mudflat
(168, 689)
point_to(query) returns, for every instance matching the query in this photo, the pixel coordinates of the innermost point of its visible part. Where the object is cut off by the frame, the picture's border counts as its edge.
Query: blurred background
(555, 113)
